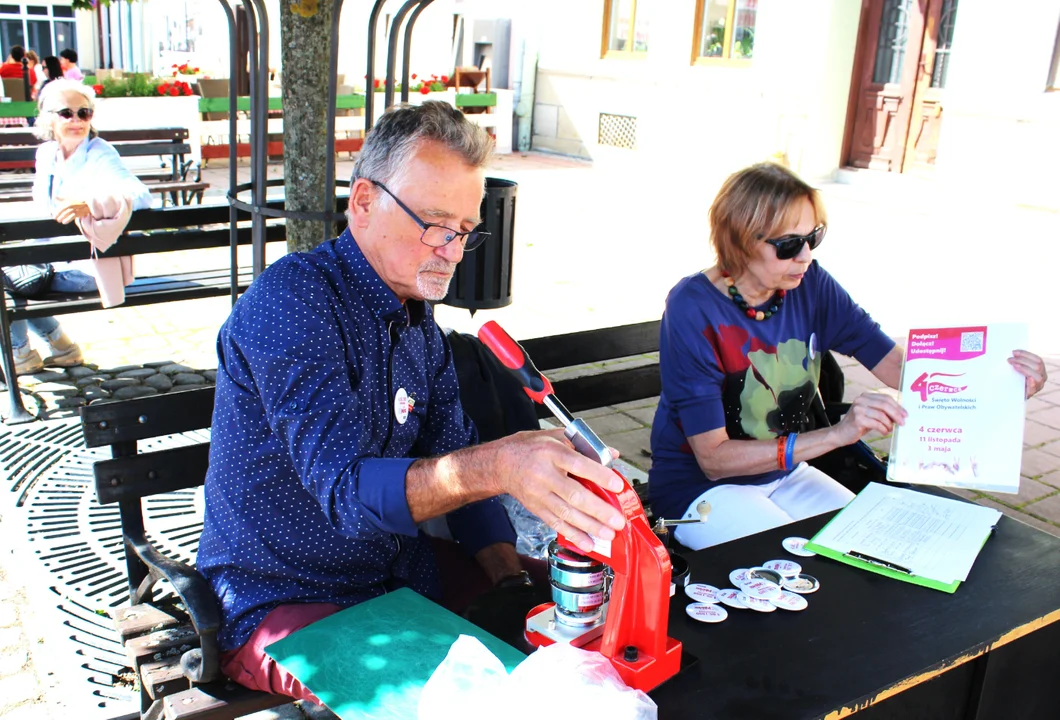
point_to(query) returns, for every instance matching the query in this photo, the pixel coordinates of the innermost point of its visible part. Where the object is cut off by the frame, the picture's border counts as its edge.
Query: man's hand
(535, 468)
(71, 210)
(869, 411)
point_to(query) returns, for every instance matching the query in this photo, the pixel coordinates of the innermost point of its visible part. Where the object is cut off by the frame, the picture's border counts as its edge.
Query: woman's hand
(71, 210)
(870, 411)
(1031, 367)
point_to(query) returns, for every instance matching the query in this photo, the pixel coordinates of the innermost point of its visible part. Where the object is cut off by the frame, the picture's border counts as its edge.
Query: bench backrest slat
(137, 149)
(162, 471)
(148, 417)
(173, 134)
(593, 346)
(612, 388)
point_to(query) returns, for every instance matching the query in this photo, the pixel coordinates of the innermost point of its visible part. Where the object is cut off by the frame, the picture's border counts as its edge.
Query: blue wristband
(789, 452)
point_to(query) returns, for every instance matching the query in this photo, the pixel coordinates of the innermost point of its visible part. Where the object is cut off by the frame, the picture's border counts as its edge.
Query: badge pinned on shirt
(403, 404)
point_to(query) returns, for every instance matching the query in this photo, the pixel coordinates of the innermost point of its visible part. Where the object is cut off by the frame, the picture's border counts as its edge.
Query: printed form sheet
(933, 537)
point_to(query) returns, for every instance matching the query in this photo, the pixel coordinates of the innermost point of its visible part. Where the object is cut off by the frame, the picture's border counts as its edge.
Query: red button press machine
(615, 599)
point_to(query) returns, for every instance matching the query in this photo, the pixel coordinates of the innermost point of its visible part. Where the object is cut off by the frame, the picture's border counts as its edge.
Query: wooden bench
(149, 232)
(18, 150)
(185, 681)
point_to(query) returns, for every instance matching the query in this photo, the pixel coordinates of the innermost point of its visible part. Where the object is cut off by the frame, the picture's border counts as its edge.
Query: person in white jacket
(80, 178)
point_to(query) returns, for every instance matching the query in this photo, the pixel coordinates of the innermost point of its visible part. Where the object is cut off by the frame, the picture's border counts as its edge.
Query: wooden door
(900, 70)
(926, 115)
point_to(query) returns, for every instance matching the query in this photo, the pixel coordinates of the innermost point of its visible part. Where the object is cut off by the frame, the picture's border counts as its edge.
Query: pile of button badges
(774, 584)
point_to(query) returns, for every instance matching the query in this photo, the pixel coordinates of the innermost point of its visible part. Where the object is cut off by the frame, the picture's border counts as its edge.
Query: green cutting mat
(371, 661)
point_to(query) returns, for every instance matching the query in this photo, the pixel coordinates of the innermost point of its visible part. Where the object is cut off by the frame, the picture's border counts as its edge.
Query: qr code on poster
(972, 342)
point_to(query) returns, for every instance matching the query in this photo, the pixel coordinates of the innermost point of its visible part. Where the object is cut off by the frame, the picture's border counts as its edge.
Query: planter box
(137, 113)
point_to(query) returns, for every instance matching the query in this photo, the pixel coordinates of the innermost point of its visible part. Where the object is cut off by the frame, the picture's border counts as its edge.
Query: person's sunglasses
(83, 114)
(435, 235)
(790, 246)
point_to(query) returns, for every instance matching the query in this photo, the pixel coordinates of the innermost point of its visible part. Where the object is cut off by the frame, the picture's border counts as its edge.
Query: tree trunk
(305, 35)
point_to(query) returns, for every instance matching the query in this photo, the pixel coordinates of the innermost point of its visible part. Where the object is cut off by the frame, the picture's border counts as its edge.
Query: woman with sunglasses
(740, 357)
(81, 179)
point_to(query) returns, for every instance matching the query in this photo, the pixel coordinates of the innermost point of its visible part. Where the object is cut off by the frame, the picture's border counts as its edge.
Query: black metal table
(874, 645)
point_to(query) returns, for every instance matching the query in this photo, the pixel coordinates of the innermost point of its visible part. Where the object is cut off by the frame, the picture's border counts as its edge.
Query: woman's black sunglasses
(83, 114)
(790, 246)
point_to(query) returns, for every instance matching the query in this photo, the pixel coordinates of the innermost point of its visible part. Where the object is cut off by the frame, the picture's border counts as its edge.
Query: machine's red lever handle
(513, 357)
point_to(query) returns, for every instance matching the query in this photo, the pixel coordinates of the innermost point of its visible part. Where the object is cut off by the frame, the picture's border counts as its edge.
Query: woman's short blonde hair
(50, 102)
(753, 205)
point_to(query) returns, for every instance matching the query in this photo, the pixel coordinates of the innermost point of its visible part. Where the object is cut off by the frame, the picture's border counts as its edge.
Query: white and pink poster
(965, 405)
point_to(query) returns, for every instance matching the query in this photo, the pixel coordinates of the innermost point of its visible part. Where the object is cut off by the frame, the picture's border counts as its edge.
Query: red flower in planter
(98, 89)
(174, 91)
(425, 89)
(377, 82)
(445, 78)
(163, 89)
(413, 76)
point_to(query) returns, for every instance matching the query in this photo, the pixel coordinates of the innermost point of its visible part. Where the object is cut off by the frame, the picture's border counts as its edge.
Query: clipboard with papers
(908, 535)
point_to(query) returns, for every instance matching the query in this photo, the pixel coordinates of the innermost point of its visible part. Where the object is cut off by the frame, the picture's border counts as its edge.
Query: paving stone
(614, 423)
(1052, 448)
(645, 415)
(968, 494)
(94, 393)
(1047, 508)
(71, 402)
(1021, 516)
(54, 388)
(8, 616)
(80, 372)
(119, 370)
(1049, 416)
(116, 383)
(174, 369)
(1030, 490)
(29, 711)
(10, 637)
(41, 378)
(12, 662)
(17, 689)
(91, 380)
(1034, 433)
(159, 382)
(186, 378)
(1051, 479)
(137, 373)
(134, 391)
(1036, 462)
(632, 446)
(156, 364)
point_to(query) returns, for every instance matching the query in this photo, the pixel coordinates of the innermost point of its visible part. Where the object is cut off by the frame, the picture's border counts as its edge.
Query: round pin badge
(802, 584)
(729, 596)
(789, 601)
(764, 573)
(706, 612)
(701, 592)
(761, 589)
(755, 603)
(786, 568)
(401, 406)
(738, 577)
(797, 546)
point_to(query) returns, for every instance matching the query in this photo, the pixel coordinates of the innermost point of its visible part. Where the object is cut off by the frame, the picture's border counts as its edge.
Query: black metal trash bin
(483, 279)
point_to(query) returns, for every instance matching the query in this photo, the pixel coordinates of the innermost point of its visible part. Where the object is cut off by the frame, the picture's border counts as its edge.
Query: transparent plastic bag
(471, 684)
(533, 534)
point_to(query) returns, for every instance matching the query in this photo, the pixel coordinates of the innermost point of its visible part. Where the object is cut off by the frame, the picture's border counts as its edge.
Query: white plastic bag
(555, 681)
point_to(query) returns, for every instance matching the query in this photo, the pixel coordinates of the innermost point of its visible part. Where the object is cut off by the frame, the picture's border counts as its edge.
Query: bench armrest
(200, 664)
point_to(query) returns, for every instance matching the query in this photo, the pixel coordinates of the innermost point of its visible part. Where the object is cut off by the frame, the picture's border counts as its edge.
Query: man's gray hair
(393, 141)
(50, 103)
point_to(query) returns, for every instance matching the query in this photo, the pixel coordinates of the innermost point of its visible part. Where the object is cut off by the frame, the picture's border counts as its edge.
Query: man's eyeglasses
(436, 235)
(790, 246)
(83, 114)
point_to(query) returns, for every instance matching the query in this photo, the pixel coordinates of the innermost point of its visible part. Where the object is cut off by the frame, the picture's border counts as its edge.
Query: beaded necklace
(775, 302)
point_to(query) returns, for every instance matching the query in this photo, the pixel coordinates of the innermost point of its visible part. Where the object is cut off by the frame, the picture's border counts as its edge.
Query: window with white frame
(41, 26)
(724, 30)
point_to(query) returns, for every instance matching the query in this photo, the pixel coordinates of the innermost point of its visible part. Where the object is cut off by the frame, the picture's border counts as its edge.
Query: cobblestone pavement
(598, 245)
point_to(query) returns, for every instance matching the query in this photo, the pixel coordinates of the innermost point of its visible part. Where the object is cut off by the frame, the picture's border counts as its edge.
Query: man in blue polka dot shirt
(338, 428)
